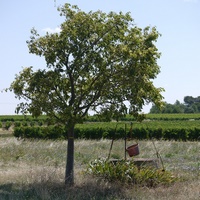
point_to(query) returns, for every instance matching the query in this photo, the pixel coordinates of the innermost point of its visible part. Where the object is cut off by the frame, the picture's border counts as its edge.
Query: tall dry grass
(34, 169)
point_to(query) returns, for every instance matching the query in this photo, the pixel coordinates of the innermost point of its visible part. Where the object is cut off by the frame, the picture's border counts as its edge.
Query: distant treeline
(190, 105)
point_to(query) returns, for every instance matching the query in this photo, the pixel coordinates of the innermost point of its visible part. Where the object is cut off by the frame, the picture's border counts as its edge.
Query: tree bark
(69, 173)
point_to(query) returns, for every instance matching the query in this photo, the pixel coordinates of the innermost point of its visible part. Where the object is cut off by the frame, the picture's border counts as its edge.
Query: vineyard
(180, 127)
(162, 117)
(37, 165)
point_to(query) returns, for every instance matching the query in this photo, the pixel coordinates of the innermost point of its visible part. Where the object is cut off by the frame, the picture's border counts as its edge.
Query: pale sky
(177, 20)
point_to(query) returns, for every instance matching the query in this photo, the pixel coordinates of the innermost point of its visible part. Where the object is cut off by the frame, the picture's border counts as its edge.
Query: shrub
(8, 125)
(17, 123)
(32, 123)
(194, 134)
(126, 172)
(25, 123)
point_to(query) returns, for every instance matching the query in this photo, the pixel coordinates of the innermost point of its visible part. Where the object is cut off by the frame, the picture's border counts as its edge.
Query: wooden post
(125, 143)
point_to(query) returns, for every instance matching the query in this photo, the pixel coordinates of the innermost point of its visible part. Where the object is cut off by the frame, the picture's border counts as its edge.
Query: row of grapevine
(155, 117)
(170, 117)
(14, 118)
(7, 124)
(50, 132)
(97, 132)
(145, 124)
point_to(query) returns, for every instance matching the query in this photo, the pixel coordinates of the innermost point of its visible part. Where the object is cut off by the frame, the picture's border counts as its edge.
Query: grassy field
(35, 170)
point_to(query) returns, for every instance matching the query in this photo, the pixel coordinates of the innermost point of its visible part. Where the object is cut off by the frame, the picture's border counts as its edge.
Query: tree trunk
(69, 173)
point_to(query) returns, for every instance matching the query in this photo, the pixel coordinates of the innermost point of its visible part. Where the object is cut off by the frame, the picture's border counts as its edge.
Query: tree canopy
(99, 61)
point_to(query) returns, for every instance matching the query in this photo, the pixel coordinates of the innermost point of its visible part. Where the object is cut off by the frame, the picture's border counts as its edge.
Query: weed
(127, 172)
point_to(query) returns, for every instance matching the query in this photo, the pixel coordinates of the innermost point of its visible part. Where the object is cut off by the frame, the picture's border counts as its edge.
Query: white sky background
(177, 20)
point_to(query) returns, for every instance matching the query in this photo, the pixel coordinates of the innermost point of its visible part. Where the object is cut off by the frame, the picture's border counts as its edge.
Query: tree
(100, 62)
(177, 107)
(192, 104)
(189, 100)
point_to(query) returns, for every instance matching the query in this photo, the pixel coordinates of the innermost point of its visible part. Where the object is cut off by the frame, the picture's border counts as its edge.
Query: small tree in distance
(100, 62)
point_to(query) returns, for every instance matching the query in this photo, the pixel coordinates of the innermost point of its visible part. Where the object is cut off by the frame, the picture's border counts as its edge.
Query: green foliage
(97, 62)
(17, 123)
(8, 125)
(43, 120)
(181, 131)
(173, 116)
(32, 123)
(190, 105)
(128, 173)
(50, 132)
(4, 118)
(97, 131)
(25, 123)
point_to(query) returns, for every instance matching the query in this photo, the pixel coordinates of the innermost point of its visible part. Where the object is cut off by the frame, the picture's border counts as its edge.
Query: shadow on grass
(85, 191)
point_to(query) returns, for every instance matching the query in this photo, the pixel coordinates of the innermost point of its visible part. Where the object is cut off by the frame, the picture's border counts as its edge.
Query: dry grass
(35, 170)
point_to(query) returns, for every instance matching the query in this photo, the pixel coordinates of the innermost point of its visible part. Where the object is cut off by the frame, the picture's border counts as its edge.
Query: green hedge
(59, 132)
(50, 132)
